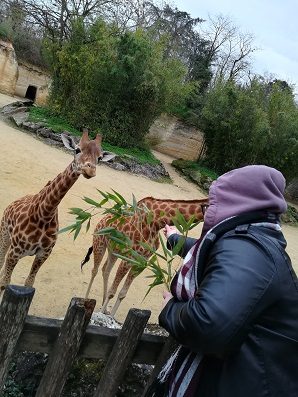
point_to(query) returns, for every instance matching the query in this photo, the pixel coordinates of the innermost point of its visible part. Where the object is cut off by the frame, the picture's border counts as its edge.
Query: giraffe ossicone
(137, 229)
(29, 225)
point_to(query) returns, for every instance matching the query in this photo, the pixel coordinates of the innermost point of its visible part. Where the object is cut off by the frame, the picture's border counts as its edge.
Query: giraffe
(137, 229)
(29, 225)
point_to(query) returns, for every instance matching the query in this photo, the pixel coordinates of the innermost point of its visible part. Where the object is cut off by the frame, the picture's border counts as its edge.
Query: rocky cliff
(8, 68)
(174, 138)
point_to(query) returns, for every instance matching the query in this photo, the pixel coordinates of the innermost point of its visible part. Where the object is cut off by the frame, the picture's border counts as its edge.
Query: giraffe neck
(164, 210)
(53, 192)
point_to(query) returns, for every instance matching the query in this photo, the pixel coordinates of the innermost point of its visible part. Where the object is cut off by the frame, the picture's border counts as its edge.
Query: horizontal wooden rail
(39, 335)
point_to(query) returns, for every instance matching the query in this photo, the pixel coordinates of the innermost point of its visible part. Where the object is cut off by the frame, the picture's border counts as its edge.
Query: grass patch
(192, 165)
(291, 216)
(56, 123)
(142, 155)
(59, 124)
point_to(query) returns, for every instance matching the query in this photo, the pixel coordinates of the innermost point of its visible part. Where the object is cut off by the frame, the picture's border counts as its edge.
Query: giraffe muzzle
(88, 170)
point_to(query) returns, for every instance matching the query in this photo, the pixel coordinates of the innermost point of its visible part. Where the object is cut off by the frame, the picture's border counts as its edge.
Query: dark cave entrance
(31, 92)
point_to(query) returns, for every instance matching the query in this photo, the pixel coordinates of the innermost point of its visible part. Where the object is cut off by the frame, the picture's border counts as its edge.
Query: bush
(6, 31)
(115, 83)
(255, 124)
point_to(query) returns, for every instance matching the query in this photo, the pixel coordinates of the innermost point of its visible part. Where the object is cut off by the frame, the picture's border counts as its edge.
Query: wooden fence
(64, 340)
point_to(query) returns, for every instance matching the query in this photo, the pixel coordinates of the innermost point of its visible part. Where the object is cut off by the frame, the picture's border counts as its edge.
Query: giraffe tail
(87, 257)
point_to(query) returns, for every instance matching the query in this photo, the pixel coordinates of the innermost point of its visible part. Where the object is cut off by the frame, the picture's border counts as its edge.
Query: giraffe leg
(4, 243)
(98, 254)
(106, 270)
(122, 294)
(10, 263)
(123, 268)
(36, 265)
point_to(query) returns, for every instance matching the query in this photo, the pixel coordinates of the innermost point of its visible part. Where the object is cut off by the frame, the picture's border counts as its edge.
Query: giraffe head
(86, 154)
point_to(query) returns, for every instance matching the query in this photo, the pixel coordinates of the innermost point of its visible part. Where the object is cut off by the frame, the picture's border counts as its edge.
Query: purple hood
(251, 188)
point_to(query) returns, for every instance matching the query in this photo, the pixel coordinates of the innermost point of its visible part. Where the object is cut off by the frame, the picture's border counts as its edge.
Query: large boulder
(292, 191)
(8, 68)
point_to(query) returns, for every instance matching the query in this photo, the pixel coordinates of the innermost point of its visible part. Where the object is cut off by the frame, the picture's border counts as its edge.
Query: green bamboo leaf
(152, 285)
(119, 241)
(134, 203)
(77, 231)
(177, 248)
(91, 202)
(114, 198)
(75, 211)
(124, 202)
(190, 221)
(105, 195)
(180, 218)
(67, 228)
(88, 225)
(103, 202)
(194, 225)
(104, 231)
(164, 248)
(149, 217)
(147, 246)
(177, 224)
(126, 258)
(85, 215)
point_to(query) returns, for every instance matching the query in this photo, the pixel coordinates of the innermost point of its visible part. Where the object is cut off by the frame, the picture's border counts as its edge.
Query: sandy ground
(26, 165)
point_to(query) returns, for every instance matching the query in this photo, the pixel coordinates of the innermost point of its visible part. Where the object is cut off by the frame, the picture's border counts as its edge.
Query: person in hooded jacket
(233, 306)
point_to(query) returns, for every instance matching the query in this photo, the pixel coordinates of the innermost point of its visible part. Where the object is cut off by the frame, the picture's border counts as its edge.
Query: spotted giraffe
(138, 230)
(29, 225)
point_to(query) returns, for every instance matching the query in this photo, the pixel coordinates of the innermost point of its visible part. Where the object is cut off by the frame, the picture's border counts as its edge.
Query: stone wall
(30, 75)
(8, 68)
(171, 136)
(17, 76)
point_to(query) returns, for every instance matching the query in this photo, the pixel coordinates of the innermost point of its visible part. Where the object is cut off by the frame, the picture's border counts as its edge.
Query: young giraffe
(137, 229)
(29, 225)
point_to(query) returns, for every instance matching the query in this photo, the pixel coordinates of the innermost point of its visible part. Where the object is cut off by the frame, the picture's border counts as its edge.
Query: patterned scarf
(180, 375)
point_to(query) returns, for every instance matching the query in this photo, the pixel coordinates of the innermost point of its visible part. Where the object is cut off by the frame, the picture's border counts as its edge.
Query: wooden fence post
(169, 347)
(122, 352)
(66, 347)
(13, 310)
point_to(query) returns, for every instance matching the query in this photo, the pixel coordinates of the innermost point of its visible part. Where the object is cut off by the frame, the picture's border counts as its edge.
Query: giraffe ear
(68, 142)
(98, 139)
(85, 136)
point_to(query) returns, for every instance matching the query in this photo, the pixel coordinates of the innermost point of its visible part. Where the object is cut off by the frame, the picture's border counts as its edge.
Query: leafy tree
(26, 39)
(115, 82)
(282, 151)
(253, 124)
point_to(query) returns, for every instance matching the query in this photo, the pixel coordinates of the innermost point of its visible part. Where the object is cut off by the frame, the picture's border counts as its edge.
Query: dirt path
(26, 165)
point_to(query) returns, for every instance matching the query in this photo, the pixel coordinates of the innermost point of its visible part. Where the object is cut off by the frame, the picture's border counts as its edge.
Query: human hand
(169, 230)
(166, 297)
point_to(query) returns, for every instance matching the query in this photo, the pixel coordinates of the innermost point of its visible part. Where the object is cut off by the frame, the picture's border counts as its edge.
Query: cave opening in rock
(31, 92)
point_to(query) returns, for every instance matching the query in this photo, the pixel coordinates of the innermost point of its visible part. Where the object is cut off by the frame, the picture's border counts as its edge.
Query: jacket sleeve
(239, 283)
(173, 240)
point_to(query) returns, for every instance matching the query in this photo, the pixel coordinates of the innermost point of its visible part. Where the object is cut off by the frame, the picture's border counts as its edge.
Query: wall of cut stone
(8, 68)
(173, 137)
(32, 75)
(16, 77)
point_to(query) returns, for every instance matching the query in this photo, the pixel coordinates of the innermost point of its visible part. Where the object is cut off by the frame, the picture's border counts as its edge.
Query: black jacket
(245, 315)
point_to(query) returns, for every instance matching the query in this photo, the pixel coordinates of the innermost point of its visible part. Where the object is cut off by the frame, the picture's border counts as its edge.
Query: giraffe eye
(78, 150)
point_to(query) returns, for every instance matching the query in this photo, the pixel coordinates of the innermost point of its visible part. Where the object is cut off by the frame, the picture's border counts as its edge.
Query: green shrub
(115, 83)
(254, 124)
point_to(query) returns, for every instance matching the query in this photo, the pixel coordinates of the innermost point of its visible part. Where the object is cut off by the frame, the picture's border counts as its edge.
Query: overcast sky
(273, 24)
